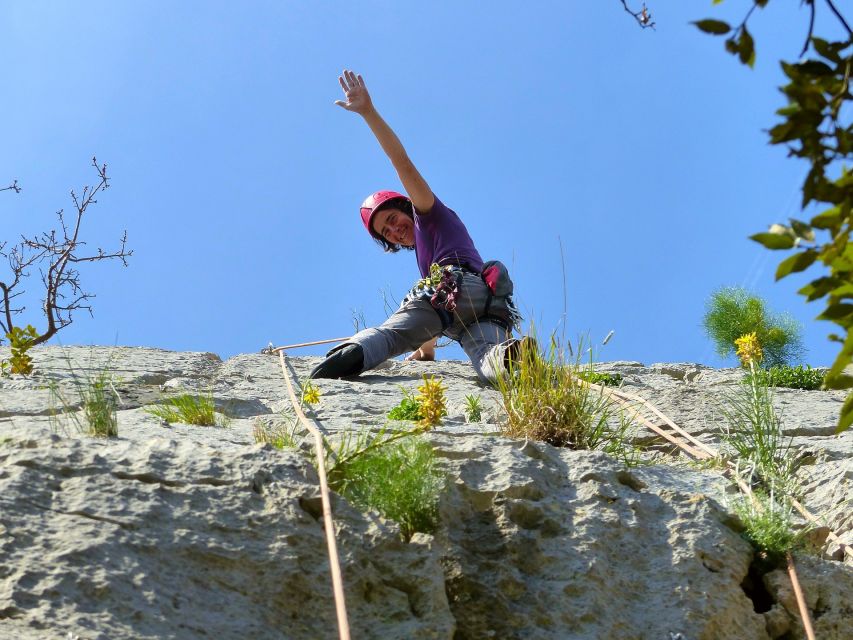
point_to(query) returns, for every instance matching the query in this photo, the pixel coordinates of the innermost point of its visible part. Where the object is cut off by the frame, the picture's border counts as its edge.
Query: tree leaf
(842, 381)
(828, 219)
(846, 418)
(816, 68)
(802, 230)
(746, 47)
(714, 27)
(824, 49)
(819, 288)
(797, 262)
(773, 240)
(837, 312)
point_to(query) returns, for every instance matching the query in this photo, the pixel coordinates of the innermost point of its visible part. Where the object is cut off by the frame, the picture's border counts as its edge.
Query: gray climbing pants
(416, 322)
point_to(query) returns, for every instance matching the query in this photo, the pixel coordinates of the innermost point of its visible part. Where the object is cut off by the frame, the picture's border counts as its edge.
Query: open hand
(357, 97)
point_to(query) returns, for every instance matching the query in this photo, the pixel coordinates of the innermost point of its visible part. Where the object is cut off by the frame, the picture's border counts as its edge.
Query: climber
(458, 296)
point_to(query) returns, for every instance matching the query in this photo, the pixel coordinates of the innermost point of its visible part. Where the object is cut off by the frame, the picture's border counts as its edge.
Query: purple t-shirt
(441, 237)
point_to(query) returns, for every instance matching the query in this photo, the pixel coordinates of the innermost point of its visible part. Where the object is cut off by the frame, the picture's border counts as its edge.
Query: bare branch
(643, 16)
(12, 187)
(57, 250)
(811, 29)
(839, 16)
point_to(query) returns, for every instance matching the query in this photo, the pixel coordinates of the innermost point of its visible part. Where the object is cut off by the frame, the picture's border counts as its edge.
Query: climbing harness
(442, 288)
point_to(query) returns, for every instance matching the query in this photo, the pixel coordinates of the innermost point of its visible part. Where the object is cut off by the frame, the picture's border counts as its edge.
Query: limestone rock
(181, 531)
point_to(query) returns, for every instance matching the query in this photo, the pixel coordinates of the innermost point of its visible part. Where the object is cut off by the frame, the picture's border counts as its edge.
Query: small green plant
(545, 398)
(396, 477)
(768, 526)
(752, 427)
(596, 377)
(408, 409)
(790, 377)
(473, 408)
(189, 409)
(278, 435)
(99, 400)
(20, 341)
(732, 312)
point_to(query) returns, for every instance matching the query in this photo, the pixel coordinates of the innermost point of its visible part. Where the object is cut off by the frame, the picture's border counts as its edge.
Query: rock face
(178, 531)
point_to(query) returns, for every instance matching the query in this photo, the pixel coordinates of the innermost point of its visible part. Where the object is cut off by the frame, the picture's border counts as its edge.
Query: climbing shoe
(344, 361)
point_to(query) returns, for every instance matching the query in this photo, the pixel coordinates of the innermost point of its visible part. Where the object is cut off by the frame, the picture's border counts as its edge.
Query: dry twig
(56, 255)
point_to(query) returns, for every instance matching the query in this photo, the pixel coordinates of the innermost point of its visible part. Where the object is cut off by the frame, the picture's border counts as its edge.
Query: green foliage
(408, 409)
(812, 129)
(732, 312)
(754, 431)
(544, 398)
(190, 409)
(392, 473)
(20, 341)
(98, 401)
(473, 408)
(596, 377)
(768, 526)
(798, 377)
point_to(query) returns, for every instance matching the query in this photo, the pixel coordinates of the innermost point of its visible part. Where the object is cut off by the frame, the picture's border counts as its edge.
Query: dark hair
(404, 205)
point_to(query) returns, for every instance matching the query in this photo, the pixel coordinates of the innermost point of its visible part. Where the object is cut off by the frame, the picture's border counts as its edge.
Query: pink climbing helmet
(372, 203)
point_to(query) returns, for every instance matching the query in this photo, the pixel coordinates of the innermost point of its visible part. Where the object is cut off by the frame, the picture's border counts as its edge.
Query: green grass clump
(732, 312)
(596, 377)
(100, 406)
(408, 409)
(98, 402)
(545, 398)
(768, 526)
(280, 436)
(790, 377)
(189, 409)
(398, 478)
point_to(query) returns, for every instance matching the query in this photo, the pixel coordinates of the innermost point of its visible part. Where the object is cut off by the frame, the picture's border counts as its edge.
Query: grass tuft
(189, 409)
(98, 400)
(545, 398)
(278, 435)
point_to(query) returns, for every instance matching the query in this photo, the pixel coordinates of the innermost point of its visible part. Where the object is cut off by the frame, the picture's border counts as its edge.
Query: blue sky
(238, 180)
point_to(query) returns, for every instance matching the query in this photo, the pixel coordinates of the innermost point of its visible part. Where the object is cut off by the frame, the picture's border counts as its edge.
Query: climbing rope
(677, 436)
(328, 523)
(631, 400)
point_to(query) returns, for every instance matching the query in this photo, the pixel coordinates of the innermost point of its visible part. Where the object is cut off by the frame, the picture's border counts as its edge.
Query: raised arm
(358, 101)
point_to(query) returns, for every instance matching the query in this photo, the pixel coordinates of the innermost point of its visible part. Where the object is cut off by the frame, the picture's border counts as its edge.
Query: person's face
(395, 226)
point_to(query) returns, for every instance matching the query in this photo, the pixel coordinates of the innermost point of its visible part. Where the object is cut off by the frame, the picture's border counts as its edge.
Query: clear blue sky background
(238, 180)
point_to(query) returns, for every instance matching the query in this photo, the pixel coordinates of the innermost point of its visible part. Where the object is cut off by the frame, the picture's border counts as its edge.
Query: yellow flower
(432, 401)
(749, 349)
(310, 394)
